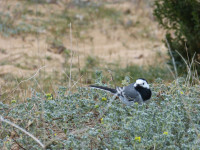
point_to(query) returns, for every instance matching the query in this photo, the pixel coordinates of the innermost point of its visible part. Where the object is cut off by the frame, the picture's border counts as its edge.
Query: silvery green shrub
(171, 120)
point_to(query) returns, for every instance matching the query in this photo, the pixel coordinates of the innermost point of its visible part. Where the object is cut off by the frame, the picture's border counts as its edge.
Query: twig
(27, 133)
(26, 80)
(188, 65)
(171, 71)
(79, 66)
(112, 79)
(18, 144)
(70, 25)
(29, 78)
(75, 82)
(197, 62)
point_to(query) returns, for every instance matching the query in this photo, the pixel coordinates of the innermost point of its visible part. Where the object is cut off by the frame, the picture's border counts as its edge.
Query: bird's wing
(131, 93)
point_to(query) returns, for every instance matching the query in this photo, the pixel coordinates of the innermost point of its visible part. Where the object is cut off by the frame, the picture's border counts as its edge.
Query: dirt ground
(136, 40)
(110, 44)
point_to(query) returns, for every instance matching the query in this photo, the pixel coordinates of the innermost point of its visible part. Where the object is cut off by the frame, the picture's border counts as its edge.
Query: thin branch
(26, 80)
(75, 82)
(18, 144)
(71, 55)
(24, 131)
(171, 71)
(112, 79)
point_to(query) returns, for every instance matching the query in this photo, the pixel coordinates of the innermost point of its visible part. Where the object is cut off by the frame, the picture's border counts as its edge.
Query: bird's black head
(142, 86)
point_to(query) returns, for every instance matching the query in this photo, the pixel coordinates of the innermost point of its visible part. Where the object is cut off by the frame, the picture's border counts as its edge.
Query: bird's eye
(143, 83)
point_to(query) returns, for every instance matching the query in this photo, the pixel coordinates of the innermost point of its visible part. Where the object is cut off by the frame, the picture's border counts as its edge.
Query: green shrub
(79, 120)
(181, 19)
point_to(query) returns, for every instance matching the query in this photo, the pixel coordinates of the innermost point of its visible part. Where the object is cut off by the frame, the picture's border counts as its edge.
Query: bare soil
(135, 40)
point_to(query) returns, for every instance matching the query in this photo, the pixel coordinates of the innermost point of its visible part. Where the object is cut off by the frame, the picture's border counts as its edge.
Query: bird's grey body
(129, 95)
(135, 92)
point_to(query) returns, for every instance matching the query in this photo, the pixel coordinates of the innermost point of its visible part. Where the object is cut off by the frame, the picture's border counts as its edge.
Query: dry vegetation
(103, 34)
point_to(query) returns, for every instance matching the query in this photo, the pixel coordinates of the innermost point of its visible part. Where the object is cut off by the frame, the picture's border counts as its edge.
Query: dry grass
(39, 35)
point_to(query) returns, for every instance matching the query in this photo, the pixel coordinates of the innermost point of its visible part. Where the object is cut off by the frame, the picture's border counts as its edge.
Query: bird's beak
(136, 84)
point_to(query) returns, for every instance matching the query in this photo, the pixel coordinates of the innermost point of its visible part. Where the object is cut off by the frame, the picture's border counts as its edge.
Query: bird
(138, 92)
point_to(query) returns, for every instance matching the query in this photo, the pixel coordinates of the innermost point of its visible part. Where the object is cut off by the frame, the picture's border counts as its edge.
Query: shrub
(181, 19)
(79, 120)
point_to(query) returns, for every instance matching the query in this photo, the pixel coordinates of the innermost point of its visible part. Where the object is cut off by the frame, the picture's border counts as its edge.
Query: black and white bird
(136, 92)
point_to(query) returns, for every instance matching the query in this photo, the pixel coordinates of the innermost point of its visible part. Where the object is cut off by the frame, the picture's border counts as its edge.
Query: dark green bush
(181, 19)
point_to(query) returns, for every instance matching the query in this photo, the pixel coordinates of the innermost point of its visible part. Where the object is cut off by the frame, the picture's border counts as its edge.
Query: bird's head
(141, 83)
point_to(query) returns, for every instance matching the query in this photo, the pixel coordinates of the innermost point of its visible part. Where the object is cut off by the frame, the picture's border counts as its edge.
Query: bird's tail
(104, 88)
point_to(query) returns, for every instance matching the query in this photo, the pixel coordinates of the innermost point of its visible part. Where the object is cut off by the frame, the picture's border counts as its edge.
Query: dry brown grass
(134, 39)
